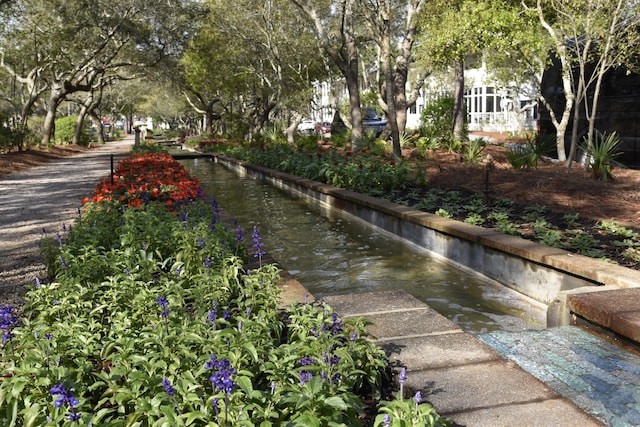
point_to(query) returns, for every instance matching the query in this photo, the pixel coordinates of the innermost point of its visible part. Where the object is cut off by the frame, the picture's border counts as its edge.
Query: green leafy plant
(602, 154)
(571, 220)
(65, 130)
(584, 243)
(413, 412)
(475, 219)
(528, 155)
(472, 150)
(612, 228)
(443, 213)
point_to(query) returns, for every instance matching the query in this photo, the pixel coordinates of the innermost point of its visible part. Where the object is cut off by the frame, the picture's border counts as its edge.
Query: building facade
(490, 108)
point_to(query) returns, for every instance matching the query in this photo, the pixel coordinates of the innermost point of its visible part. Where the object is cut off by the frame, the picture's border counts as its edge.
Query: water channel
(331, 254)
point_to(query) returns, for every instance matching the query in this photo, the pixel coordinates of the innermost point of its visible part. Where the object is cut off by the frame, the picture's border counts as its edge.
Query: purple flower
(307, 361)
(257, 243)
(418, 397)
(239, 235)
(201, 242)
(336, 324)
(221, 376)
(162, 301)
(8, 320)
(65, 396)
(387, 420)
(62, 261)
(403, 378)
(168, 387)
(305, 376)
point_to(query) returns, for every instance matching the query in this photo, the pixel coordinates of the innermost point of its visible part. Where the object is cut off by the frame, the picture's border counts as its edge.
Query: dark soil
(571, 201)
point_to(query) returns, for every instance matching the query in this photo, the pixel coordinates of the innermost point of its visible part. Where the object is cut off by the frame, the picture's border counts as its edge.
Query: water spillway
(331, 253)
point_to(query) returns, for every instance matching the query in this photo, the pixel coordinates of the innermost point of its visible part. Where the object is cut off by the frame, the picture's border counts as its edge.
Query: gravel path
(44, 197)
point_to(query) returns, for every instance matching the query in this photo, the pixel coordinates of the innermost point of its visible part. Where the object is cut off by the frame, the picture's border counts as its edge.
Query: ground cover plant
(405, 182)
(152, 317)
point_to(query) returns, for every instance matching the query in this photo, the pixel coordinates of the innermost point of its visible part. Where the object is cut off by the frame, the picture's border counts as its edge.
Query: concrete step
(465, 379)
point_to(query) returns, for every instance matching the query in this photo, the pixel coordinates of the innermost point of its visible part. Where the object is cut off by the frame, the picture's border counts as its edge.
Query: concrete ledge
(616, 310)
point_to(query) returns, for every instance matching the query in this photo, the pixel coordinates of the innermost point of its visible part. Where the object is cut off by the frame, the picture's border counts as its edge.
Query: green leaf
(245, 384)
(336, 402)
(307, 420)
(31, 415)
(251, 349)
(193, 416)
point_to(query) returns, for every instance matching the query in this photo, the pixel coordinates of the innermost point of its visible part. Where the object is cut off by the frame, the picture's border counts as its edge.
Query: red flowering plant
(148, 177)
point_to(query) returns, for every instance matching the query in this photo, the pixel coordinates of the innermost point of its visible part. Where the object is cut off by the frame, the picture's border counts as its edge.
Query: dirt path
(46, 198)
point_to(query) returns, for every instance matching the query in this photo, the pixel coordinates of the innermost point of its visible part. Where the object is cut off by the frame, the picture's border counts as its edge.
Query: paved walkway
(465, 379)
(45, 197)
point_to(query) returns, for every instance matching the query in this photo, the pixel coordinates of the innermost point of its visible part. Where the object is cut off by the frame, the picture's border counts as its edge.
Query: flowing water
(331, 254)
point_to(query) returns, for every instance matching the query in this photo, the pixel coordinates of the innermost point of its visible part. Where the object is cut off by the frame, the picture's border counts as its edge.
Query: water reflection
(333, 255)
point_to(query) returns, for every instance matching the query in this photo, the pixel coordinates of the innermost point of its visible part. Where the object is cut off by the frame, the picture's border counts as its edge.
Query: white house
(490, 108)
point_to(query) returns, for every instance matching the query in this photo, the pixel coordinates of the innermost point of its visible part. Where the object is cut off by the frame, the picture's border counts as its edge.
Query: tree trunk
(458, 106)
(77, 132)
(48, 128)
(357, 130)
(573, 148)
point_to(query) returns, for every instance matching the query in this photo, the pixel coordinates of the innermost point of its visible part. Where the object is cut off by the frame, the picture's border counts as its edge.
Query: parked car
(324, 130)
(306, 127)
(373, 123)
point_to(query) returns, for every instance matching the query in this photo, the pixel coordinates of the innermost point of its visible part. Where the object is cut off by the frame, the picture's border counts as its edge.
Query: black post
(487, 168)
(112, 169)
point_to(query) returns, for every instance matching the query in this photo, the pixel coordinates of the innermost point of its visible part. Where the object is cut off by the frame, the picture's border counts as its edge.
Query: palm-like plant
(602, 154)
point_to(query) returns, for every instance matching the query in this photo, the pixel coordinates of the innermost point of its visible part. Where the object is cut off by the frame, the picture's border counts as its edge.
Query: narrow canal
(332, 254)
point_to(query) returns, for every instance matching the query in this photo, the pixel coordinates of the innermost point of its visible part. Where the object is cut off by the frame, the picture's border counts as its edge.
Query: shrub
(65, 130)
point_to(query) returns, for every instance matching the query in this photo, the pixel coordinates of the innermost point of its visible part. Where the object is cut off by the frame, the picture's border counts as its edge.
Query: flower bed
(145, 177)
(152, 319)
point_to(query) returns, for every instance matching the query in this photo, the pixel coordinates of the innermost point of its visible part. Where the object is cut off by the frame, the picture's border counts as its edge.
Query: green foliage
(602, 154)
(437, 120)
(527, 156)
(584, 243)
(424, 144)
(100, 329)
(611, 227)
(11, 138)
(409, 413)
(363, 172)
(472, 150)
(65, 130)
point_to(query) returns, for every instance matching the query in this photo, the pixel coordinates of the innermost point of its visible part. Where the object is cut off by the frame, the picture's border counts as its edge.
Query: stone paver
(598, 376)
(465, 379)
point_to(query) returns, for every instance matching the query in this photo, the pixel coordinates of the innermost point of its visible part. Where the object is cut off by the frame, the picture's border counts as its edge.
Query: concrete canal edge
(551, 276)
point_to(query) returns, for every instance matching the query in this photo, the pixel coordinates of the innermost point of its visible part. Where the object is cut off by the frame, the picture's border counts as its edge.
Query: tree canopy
(256, 63)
